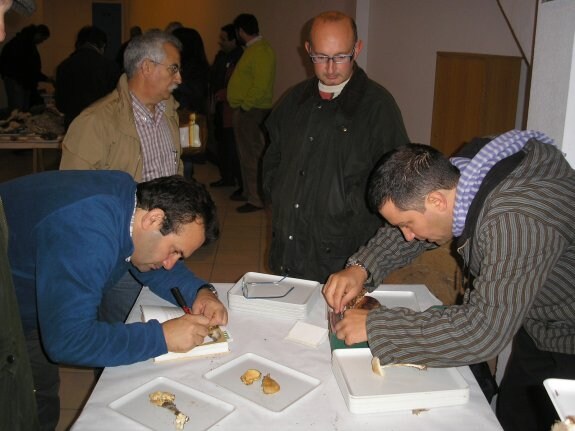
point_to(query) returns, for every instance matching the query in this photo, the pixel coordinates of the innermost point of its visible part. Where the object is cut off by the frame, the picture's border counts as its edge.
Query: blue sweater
(69, 237)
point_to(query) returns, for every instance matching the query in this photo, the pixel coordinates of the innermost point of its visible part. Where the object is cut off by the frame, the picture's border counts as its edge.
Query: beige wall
(403, 36)
(280, 22)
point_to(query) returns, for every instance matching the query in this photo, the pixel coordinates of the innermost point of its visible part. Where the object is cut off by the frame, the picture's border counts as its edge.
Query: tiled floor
(242, 247)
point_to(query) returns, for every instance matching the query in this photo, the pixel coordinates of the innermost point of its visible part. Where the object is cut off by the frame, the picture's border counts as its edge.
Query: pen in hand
(180, 300)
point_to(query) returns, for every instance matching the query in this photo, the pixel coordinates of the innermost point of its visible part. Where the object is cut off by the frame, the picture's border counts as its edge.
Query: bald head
(333, 17)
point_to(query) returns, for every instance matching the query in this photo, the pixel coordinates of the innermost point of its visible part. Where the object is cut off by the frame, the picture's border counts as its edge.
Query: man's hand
(208, 305)
(186, 332)
(343, 286)
(352, 328)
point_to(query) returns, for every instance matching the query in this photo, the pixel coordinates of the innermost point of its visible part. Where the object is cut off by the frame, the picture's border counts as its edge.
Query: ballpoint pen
(180, 300)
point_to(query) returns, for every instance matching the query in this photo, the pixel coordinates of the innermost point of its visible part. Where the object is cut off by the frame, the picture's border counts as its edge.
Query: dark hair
(230, 30)
(91, 35)
(43, 31)
(407, 174)
(248, 23)
(193, 53)
(183, 201)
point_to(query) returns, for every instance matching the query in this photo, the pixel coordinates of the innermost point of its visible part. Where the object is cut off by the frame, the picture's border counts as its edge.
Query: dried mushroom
(250, 376)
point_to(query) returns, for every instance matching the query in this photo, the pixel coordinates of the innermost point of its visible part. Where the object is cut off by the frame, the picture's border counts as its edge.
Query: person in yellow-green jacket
(250, 93)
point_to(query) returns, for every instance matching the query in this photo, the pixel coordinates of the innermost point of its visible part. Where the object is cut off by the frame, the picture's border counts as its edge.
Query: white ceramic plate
(562, 394)
(204, 410)
(401, 388)
(293, 384)
(392, 299)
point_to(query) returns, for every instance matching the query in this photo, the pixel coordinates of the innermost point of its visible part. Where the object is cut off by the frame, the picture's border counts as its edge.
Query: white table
(322, 409)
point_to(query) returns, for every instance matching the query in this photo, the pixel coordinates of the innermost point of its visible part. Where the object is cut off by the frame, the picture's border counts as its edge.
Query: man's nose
(407, 234)
(170, 262)
(330, 65)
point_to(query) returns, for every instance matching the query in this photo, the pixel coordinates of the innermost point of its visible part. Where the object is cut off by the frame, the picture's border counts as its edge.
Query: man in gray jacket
(509, 202)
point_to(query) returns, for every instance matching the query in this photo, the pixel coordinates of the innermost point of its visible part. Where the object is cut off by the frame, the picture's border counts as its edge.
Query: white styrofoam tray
(293, 384)
(296, 304)
(204, 410)
(393, 299)
(401, 388)
(562, 394)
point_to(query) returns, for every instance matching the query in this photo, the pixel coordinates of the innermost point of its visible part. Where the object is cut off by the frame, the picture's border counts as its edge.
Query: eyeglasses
(337, 59)
(172, 68)
(274, 290)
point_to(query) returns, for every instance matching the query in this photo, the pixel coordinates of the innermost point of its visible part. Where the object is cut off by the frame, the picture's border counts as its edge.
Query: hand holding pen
(180, 300)
(185, 332)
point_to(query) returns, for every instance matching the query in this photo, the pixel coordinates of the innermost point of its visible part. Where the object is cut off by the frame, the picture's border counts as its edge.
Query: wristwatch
(210, 287)
(355, 262)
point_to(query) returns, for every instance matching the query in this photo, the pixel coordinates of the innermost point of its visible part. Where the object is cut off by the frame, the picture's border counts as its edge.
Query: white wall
(552, 103)
(405, 37)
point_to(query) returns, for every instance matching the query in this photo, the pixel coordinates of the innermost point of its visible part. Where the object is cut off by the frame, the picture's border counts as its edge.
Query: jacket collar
(349, 98)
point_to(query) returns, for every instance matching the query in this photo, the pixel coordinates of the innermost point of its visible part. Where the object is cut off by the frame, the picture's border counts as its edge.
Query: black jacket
(84, 77)
(316, 170)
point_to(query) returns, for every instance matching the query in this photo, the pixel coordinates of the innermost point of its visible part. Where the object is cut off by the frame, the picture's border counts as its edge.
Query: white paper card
(307, 334)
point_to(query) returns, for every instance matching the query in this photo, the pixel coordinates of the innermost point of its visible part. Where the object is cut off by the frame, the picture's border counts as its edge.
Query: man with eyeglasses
(135, 128)
(326, 135)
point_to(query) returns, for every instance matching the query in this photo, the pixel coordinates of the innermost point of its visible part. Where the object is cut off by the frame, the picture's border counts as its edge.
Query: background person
(250, 93)
(220, 73)
(326, 135)
(21, 67)
(86, 75)
(509, 203)
(72, 235)
(192, 93)
(135, 128)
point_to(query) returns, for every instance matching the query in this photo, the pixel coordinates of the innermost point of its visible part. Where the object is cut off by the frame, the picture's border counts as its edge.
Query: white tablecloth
(322, 409)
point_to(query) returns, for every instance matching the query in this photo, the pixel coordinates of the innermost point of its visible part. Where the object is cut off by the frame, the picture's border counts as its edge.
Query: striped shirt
(160, 156)
(522, 255)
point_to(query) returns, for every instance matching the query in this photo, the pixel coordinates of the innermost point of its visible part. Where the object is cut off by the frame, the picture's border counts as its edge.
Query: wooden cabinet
(475, 95)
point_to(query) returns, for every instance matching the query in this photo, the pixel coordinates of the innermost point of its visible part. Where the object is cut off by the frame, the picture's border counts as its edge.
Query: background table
(322, 409)
(34, 142)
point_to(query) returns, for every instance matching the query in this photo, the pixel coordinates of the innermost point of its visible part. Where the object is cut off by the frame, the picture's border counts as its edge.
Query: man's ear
(358, 48)
(146, 66)
(436, 200)
(153, 219)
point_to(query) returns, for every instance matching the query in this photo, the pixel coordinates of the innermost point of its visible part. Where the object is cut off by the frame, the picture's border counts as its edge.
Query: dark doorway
(108, 17)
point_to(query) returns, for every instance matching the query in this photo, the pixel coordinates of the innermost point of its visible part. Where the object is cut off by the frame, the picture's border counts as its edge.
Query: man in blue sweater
(72, 235)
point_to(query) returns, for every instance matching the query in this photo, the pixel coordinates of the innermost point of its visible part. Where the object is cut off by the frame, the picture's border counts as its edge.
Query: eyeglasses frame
(345, 58)
(246, 284)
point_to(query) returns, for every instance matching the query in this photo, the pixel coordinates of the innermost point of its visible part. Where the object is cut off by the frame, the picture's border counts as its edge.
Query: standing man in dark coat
(86, 75)
(326, 135)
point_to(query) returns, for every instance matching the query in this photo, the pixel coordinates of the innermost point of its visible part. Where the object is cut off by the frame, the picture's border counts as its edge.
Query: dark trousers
(115, 306)
(523, 403)
(251, 143)
(46, 377)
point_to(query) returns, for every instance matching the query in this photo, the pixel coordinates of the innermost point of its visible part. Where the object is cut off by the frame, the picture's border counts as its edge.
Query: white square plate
(392, 299)
(562, 394)
(293, 384)
(401, 388)
(204, 410)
